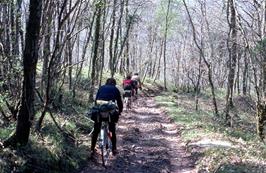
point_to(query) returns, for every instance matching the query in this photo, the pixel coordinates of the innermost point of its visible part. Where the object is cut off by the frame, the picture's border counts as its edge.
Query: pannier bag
(128, 93)
(105, 112)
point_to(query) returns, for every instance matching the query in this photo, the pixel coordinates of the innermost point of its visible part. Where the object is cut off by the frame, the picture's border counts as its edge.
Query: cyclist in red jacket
(128, 85)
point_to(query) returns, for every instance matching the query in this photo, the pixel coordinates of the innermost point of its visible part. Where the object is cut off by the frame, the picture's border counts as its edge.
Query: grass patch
(246, 154)
(184, 116)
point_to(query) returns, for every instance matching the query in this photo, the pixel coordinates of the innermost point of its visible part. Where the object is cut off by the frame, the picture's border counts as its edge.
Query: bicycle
(128, 99)
(102, 113)
(104, 142)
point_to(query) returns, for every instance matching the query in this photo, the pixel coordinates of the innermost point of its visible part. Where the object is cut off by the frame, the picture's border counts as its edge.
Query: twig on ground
(64, 131)
(1, 145)
(6, 118)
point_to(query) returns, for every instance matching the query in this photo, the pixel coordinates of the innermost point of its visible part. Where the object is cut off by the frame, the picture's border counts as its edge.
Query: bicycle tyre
(103, 148)
(107, 147)
(103, 159)
(126, 99)
(110, 147)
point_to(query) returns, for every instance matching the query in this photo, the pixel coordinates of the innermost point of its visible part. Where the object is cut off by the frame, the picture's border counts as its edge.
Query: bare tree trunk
(47, 19)
(165, 43)
(69, 54)
(158, 72)
(245, 74)
(232, 56)
(103, 42)
(95, 48)
(30, 58)
(197, 89)
(18, 26)
(238, 72)
(127, 42)
(111, 54)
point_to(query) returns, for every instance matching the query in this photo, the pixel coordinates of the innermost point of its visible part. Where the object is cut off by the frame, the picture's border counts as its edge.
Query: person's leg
(97, 128)
(113, 139)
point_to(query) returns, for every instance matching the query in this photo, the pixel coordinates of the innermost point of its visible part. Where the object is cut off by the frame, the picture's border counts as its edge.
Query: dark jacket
(110, 92)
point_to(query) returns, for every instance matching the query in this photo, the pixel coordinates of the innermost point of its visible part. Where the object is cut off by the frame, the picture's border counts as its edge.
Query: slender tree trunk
(237, 87)
(127, 42)
(18, 26)
(111, 54)
(84, 51)
(165, 43)
(245, 74)
(197, 89)
(46, 55)
(216, 112)
(117, 38)
(69, 54)
(232, 57)
(103, 42)
(158, 71)
(13, 30)
(95, 48)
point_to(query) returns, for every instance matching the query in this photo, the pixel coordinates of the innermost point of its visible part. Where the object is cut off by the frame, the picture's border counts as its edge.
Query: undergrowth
(51, 150)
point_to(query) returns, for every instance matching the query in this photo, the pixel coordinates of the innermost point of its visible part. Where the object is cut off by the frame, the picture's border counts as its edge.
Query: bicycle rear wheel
(126, 100)
(106, 146)
(102, 146)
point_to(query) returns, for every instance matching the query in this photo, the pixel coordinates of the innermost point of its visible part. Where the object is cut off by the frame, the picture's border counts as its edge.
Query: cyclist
(128, 86)
(107, 92)
(136, 82)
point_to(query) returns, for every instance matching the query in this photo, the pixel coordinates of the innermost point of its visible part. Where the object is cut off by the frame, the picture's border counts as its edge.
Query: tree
(232, 48)
(165, 43)
(97, 31)
(203, 55)
(30, 57)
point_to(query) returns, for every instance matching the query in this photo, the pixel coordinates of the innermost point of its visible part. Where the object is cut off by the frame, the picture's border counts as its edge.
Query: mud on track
(148, 142)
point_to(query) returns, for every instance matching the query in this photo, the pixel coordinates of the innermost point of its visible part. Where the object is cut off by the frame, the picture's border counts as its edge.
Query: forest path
(148, 142)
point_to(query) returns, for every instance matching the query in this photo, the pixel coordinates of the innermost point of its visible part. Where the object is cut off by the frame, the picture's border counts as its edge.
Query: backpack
(127, 84)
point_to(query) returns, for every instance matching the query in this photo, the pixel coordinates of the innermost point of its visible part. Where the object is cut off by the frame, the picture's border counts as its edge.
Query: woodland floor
(148, 141)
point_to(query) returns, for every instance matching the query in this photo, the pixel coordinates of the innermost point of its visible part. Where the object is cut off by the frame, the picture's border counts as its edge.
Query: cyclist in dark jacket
(107, 92)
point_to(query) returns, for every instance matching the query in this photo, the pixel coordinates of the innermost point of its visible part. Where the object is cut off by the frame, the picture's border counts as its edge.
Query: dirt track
(148, 142)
